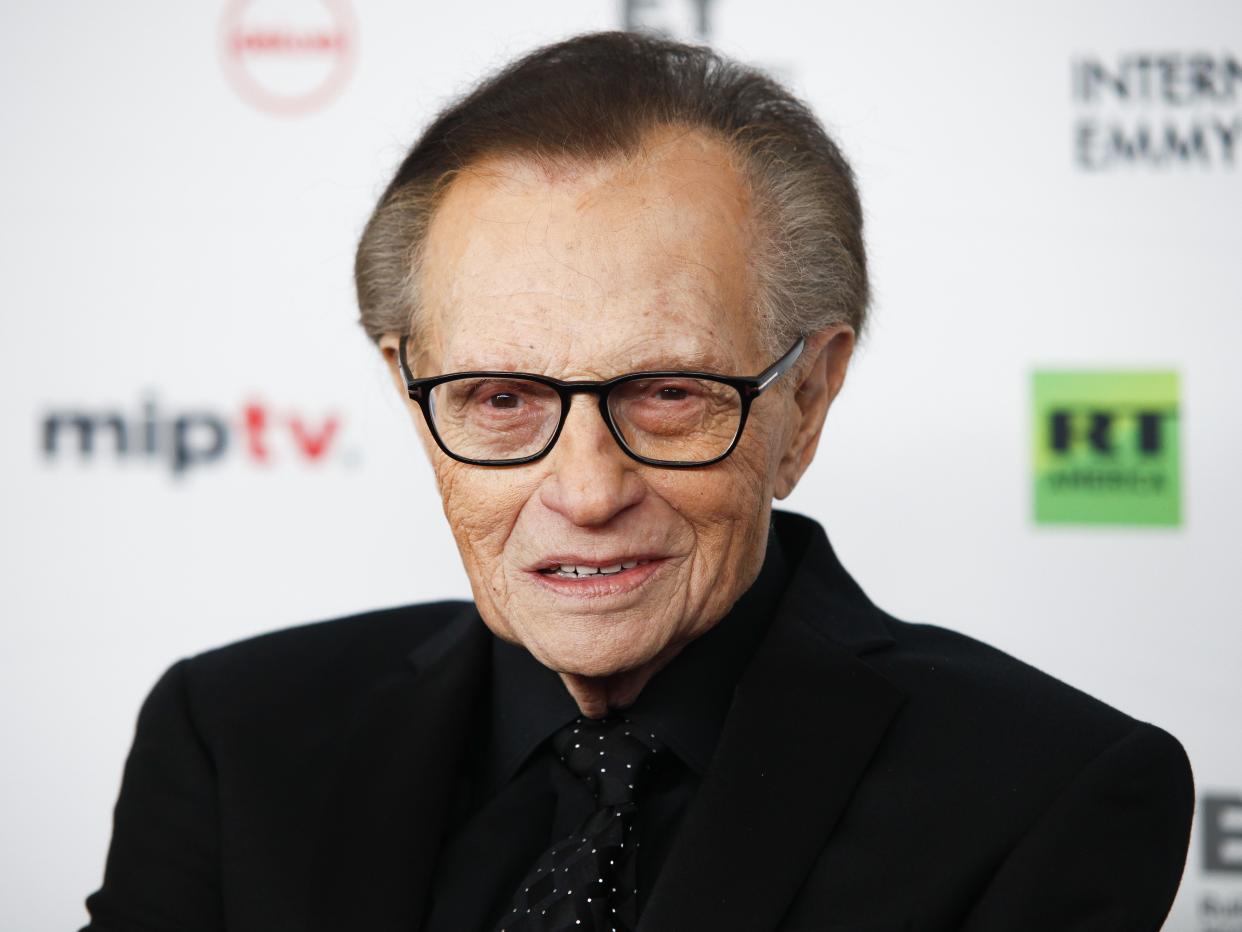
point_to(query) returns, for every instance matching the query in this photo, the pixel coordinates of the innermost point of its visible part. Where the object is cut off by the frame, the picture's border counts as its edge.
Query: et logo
(688, 20)
(1220, 828)
(1106, 448)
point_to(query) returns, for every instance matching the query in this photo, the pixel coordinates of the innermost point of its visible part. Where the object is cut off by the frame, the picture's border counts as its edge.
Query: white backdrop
(179, 218)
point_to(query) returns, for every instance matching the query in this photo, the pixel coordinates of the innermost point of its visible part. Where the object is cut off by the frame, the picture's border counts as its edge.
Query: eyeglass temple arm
(413, 390)
(780, 367)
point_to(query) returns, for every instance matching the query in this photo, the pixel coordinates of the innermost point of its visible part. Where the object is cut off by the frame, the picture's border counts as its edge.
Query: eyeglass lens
(677, 419)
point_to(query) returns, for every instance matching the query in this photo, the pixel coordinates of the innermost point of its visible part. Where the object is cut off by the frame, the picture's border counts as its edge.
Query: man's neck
(597, 695)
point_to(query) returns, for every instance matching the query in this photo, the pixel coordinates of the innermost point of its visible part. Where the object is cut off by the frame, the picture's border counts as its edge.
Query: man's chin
(625, 661)
(570, 663)
(585, 657)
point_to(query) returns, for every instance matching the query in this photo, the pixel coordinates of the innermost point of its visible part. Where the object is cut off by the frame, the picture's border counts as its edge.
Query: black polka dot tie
(586, 881)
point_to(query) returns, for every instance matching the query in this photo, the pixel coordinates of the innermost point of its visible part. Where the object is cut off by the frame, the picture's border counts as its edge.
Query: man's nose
(591, 479)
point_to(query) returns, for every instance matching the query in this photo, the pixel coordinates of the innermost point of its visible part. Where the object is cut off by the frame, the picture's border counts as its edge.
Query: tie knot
(613, 755)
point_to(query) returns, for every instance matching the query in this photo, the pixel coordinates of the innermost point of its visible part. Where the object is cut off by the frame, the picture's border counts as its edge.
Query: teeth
(569, 571)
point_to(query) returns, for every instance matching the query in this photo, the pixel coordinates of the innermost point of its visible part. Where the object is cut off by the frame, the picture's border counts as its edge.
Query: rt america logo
(191, 439)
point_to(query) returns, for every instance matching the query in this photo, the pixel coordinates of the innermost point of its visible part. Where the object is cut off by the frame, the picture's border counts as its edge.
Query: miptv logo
(191, 438)
(288, 57)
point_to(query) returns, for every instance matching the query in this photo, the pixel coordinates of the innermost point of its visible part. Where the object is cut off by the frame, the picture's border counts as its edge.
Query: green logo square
(1107, 448)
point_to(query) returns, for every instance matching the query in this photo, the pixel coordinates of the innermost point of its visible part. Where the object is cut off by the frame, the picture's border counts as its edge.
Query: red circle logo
(288, 57)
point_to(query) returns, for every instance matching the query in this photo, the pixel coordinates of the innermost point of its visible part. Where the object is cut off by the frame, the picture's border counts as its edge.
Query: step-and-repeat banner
(1039, 443)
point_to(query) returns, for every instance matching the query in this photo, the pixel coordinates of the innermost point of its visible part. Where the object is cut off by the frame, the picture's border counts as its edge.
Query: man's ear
(829, 353)
(389, 346)
(389, 343)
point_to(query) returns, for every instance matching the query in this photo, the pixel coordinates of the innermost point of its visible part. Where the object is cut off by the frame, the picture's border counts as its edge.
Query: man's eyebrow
(679, 362)
(653, 362)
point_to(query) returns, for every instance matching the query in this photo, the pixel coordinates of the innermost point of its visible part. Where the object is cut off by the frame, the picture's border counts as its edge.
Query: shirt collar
(684, 704)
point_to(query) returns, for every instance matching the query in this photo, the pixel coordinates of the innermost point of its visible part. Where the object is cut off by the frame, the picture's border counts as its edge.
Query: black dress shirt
(517, 798)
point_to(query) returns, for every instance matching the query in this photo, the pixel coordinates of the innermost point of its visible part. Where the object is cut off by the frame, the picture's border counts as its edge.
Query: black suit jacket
(873, 775)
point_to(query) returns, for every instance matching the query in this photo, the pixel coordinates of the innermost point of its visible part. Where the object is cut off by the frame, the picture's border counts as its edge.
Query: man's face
(611, 268)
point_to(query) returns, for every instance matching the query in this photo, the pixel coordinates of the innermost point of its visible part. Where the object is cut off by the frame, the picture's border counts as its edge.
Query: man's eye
(503, 400)
(672, 393)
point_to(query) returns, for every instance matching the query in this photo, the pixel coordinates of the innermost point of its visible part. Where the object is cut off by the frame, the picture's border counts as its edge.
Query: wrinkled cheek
(748, 475)
(760, 445)
(742, 523)
(481, 513)
(434, 453)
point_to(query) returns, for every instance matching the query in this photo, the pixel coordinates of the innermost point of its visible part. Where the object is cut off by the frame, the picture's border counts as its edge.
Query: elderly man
(619, 285)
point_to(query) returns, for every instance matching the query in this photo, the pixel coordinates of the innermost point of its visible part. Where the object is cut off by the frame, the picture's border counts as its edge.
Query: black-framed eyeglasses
(668, 418)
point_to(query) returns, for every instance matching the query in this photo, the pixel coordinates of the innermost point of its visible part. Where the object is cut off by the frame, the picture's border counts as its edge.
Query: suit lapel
(806, 718)
(382, 825)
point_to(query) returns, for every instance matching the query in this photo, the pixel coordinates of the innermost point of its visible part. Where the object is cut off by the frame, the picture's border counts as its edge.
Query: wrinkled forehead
(610, 261)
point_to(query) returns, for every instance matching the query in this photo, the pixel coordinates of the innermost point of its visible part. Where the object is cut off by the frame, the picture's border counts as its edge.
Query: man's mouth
(584, 571)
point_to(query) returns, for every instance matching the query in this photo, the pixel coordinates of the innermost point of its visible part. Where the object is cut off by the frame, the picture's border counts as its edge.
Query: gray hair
(598, 95)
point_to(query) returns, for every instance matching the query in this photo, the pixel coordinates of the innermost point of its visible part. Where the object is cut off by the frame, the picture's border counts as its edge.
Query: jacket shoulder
(990, 747)
(316, 664)
(383, 629)
(952, 671)
(1003, 719)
